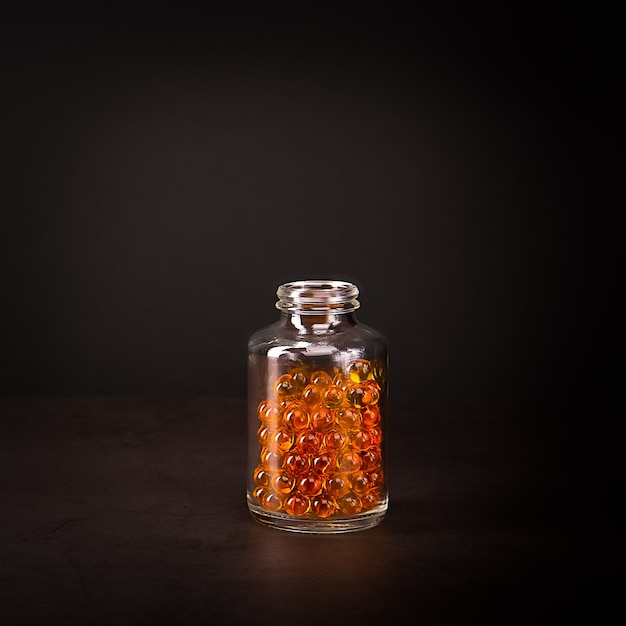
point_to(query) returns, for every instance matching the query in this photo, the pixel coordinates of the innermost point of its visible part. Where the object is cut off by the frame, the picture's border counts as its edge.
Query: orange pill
(349, 419)
(263, 435)
(321, 378)
(299, 378)
(282, 483)
(322, 506)
(371, 416)
(272, 416)
(281, 440)
(270, 459)
(312, 395)
(296, 416)
(376, 434)
(349, 504)
(308, 442)
(376, 477)
(297, 505)
(322, 420)
(259, 494)
(297, 464)
(370, 499)
(335, 440)
(361, 395)
(323, 463)
(263, 406)
(361, 440)
(360, 483)
(284, 387)
(360, 370)
(261, 476)
(333, 397)
(370, 459)
(349, 462)
(337, 485)
(310, 485)
(272, 501)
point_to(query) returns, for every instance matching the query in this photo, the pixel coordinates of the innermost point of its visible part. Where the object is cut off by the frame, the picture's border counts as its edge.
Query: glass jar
(317, 413)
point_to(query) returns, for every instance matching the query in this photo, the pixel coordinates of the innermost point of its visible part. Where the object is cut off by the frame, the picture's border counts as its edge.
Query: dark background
(164, 171)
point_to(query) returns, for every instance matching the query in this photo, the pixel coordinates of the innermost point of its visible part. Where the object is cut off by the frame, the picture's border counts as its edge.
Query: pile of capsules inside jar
(320, 441)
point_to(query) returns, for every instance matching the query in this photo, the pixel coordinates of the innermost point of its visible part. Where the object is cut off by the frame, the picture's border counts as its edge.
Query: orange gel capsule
(310, 485)
(263, 435)
(322, 420)
(312, 395)
(360, 370)
(349, 419)
(349, 504)
(261, 476)
(361, 440)
(360, 483)
(371, 416)
(376, 477)
(282, 483)
(349, 462)
(370, 499)
(308, 442)
(321, 378)
(297, 464)
(322, 506)
(284, 387)
(259, 493)
(337, 485)
(296, 417)
(370, 459)
(299, 378)
(376, 434)
(323, 463)
(271, 501)
(335, 440)
(281, 440)
(270, 459)
(333, 397)
(297, 505)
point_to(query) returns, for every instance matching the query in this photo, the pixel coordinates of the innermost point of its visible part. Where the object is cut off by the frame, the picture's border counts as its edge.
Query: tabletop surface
(132, 510)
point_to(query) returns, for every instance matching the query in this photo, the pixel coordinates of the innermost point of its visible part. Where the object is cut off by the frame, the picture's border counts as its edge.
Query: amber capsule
(349, 462)
(338, 379)
(284, 387)
(308, 442)
(337, 485)
(310, 485)
(360, 483)
(349, 419)
(361, 440)
(259, 494)
(322, 420)
(297, 505)
(323, 506)
(370, 499)
(360, 370)
(263, 406)
(376, 477)
(349, 504)
(321, 378)
(361, 395)
(371, 416)
(296, 416)
(261, 476)
(272, 501)
(272, 416)
(297, 464)
(323, 463)
(335, 440)
(263, 435)
(370, 459)
(333, 397)
(312, 395)
(376, 434)
(282, 483)
(299, 378)
(270, 459)
(281, 440)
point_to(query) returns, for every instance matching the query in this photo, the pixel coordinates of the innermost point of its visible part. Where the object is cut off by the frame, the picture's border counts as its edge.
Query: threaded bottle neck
(317, 297)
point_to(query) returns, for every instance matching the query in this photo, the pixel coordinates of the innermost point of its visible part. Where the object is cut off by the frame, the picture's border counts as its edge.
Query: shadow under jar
(317, 405)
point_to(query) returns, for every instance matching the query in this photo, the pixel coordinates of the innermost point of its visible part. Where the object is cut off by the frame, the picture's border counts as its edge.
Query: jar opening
(311, 297)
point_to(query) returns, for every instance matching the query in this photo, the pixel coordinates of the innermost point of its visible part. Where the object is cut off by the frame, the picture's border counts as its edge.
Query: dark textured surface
(130, 510)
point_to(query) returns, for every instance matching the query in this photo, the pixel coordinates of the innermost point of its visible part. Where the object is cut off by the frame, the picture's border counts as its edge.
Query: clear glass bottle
(317, 414)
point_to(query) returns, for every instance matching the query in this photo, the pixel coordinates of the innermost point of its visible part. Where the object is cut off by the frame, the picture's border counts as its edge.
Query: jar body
(317, 413)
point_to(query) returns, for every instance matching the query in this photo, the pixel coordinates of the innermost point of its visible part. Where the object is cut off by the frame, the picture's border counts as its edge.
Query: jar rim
(316, 295)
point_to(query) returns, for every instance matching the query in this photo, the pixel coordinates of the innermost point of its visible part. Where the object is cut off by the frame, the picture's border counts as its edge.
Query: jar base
(327, 526)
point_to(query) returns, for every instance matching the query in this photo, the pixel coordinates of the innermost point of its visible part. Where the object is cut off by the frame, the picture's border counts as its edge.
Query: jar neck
(322, 323)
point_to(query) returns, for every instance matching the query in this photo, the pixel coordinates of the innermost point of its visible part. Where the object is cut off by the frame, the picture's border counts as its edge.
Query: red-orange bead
(333, 397)
(272, 416)
(263, 435)
(284, 387)
(272, 501)
(259, 494)
(370, 499)
(361, 440)
(261, 476)
(349, 419)
(376, 434)
(310, 485)
(361, 395)
(376, 477)
(370, 459)
(321, 378)
(297, 505)
(335, 440)
(349, 462)
(322, 420)
(360, 370)
(308, 442)
(322, 506)
(263, 406)
(299, 378)
(323, 463)
(312, 395)
(270, 459)
(297, 464)
(350, 504)
(281, 440)
(360, 483)
(371, 416)
(337, 485)
(282, 483)
(296, 417)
